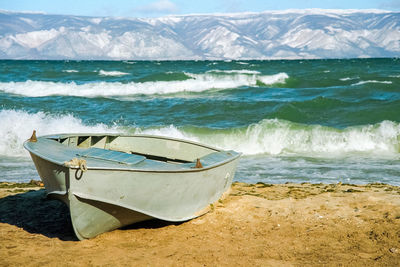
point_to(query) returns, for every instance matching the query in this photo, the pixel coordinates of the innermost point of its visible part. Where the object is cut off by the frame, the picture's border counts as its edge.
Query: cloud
(231, 6)
(158, 7)
(394, 4)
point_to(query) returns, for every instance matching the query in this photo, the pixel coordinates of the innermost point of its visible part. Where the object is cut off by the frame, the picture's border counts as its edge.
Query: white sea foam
(273, 79)
(112, 73)
(371, 81)
(235, 71)
(346, 79)
(169, 131)
(197, 83)
(16, 126)
(70, 71)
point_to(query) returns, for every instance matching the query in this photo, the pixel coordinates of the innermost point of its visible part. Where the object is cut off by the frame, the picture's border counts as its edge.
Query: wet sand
(256, 225)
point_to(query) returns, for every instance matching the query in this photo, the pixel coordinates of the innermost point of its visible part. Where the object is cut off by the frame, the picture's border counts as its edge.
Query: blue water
(294, 120)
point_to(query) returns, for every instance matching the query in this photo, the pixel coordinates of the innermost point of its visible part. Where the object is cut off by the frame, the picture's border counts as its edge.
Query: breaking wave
(16, 126)
(371, 81)
(70, 71)
(270, 136)
(194, 83)
(280, 137)
(347, 79)
(235, 71)
(112, 73)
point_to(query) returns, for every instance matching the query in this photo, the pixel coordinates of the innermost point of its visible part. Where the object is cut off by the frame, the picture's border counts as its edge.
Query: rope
(80, 163)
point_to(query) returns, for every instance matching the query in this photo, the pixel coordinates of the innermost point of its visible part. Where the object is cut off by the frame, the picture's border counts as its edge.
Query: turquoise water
(295, 121)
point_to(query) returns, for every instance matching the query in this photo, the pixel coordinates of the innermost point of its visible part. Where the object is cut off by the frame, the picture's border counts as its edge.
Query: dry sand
(256, 225)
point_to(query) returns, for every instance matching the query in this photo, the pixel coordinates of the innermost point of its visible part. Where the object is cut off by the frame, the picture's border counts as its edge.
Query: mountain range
(289, 34)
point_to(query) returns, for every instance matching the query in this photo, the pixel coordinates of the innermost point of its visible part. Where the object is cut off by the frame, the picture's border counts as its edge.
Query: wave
(347, 79)
(371, 81)
(16, 126)
(270, 136)
(71, 71)
(112, 73)
(194, 83)
(234, 71)
(280, 137)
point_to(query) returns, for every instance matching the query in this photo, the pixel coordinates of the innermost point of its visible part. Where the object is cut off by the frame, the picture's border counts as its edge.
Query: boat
(111, 180)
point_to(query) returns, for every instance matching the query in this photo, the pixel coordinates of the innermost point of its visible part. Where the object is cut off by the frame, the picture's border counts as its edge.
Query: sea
(316, 121)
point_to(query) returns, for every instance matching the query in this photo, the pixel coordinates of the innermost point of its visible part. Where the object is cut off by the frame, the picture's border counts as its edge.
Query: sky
(156, 8)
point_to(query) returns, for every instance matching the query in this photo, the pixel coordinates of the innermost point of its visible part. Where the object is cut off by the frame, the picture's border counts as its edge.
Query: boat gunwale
(132, 169)
(54, 136)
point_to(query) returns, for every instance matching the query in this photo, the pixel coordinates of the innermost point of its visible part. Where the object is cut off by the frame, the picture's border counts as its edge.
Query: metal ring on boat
(78, 174)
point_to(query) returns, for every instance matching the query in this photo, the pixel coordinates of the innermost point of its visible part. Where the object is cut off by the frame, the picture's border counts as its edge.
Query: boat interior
(120, 147)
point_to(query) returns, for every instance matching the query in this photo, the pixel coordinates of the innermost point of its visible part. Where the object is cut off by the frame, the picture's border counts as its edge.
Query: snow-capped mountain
(267, 35)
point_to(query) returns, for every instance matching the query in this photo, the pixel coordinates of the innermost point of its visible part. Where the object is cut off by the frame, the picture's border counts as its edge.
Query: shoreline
(260, 224)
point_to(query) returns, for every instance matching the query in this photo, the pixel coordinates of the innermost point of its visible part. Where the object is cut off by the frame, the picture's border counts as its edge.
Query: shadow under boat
(37, 213)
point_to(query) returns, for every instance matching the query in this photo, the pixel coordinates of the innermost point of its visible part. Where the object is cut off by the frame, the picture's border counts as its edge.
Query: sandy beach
(256, 225)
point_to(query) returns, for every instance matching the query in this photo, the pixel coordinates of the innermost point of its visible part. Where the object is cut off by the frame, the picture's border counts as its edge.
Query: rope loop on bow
(77, 163)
